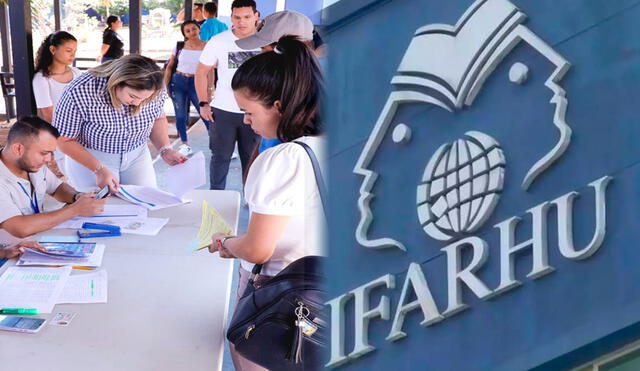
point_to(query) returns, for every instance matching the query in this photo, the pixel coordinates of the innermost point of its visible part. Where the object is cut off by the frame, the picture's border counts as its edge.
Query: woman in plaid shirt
(105, 118)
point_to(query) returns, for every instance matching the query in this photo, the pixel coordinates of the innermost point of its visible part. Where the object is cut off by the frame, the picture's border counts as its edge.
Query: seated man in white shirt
(24, 180)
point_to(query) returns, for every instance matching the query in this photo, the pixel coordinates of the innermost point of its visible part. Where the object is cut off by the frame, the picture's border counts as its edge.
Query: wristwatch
(203, 103)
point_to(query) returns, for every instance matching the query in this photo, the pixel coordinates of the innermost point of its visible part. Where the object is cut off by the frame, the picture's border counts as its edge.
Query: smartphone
(104, 192)
(21, 324)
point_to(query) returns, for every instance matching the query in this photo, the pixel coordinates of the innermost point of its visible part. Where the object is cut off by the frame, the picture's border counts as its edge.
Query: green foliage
(173, 5)
(76, 21)
(40, 20)
(116, 7)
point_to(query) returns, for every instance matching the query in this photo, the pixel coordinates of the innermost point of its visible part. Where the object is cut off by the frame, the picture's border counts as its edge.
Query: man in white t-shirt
(221, 52)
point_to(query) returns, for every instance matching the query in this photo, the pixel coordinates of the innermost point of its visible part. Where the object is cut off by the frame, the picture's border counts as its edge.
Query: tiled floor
(199, 141)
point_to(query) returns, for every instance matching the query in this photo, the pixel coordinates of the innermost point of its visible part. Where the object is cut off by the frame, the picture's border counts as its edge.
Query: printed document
(85, 288)
(31, 287)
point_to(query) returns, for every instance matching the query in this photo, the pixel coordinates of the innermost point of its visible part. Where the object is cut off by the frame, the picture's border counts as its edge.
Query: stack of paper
(131, 219)
(85, 288)
(31, 287)
(33, 258)
(43, 288)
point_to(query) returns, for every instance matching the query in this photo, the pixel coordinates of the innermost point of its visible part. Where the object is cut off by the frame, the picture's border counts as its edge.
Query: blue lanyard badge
(33, 200)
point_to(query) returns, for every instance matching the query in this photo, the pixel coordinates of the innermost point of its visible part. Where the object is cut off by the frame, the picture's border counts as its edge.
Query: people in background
(24, 181)
(273, 27)
(227, 128)
(179, 76)
(196, 13)
(211, 26)
(279, 92)
(53, 72)
(105, 118)
(112, 44)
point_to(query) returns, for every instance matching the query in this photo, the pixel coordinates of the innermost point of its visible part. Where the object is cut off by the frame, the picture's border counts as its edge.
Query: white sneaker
(185, 150)
(235, 152)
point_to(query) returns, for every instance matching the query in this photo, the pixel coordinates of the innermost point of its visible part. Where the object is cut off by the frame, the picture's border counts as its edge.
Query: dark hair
(197, 5)
(28, 128)
(111, 20)
(290, 74)
(44, 57)
(244, 4)
(211, 8)
(185, 24)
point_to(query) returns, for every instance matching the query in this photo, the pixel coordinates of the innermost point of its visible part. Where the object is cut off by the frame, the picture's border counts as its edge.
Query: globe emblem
(460, 186)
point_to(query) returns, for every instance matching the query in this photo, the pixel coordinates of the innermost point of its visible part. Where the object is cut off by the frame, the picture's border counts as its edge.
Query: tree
(76, 20)
(173, 5)
(115, 7)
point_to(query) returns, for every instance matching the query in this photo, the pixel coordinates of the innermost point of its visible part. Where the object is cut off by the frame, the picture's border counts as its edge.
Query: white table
(167, 308)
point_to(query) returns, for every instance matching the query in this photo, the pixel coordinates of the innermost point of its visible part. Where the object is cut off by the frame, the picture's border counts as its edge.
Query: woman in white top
(180, 84)
(279, 92)
(53, 72)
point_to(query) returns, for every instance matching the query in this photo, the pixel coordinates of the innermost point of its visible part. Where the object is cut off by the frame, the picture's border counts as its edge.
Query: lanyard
(34, 204)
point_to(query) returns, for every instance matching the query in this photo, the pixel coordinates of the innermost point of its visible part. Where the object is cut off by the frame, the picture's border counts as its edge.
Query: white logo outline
(501, 22)
(475, 166)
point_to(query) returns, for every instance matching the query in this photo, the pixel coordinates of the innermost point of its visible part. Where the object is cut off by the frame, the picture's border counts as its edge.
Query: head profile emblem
(451, 79)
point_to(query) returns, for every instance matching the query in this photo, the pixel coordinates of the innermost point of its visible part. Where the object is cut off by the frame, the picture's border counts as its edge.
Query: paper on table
(142, 226)
(148, 197)
(85, 288)
(31, 287)
(32, 259)
(122, 211)
(185, 177)
(212, 222)
(145, 227)
(73, 238)
(110, 212)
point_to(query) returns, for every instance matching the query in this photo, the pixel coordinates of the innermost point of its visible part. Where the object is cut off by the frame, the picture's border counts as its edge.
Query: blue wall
(575, 314)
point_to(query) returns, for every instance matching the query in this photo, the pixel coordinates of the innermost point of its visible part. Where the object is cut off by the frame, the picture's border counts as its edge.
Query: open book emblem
(446, 66)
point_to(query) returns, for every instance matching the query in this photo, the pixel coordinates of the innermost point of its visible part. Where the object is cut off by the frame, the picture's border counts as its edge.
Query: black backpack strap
(322, 189)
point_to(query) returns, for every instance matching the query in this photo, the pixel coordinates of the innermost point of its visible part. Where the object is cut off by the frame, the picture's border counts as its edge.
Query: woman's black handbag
(280, 325)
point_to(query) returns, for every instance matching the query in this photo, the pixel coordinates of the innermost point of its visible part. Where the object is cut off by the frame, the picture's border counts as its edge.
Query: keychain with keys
(304, 326)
